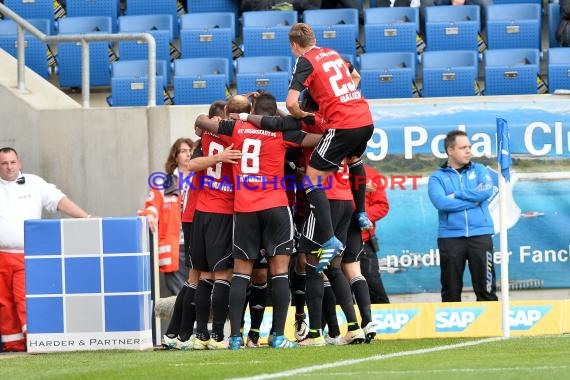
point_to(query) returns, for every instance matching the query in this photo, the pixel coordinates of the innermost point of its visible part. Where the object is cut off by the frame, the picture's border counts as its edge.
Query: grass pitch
(516, 358)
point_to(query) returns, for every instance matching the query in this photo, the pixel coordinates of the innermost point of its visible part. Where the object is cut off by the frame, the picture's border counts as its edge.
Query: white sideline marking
(449, 370)
(368, 359)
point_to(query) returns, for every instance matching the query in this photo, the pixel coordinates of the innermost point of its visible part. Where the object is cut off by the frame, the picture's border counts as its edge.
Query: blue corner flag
(504, 148)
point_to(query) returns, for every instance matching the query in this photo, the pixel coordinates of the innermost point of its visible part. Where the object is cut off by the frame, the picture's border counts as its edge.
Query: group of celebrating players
(245, 233)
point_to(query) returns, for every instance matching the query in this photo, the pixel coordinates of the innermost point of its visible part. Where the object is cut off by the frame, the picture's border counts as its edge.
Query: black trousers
(371, 272)
(477, 251)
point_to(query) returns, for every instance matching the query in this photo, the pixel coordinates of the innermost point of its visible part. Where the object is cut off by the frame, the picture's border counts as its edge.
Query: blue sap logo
(525, 317)
(392, 321)
(456, 319)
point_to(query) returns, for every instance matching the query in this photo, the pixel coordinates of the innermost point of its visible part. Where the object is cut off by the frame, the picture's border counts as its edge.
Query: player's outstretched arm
(206, 124)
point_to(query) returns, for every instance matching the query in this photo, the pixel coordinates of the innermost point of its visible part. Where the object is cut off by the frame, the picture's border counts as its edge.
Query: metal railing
(84, 39)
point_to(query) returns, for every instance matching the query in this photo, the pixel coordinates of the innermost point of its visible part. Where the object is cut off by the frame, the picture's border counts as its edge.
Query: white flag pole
(156, 274)
(504, 248)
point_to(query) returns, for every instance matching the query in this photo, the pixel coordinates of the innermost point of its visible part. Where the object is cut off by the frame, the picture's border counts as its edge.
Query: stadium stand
(160, 26)
(155, 7)
(37, 9)
(450, 73)
(266, 33)
(391, 29)
(514, 26)
(69, 54)
(558, 69)
(129, 81)
(35, 51)
(387, 75)
(511, 71)
(335, 28)
(264, 74)
(452, 28)
(553, 20)
(200, 80)
(108, 8)
(209, 34)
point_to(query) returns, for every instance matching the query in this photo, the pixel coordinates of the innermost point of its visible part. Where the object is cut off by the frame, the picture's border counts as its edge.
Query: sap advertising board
(538, 202)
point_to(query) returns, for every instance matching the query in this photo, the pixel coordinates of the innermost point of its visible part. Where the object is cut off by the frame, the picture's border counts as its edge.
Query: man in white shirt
(22, 197)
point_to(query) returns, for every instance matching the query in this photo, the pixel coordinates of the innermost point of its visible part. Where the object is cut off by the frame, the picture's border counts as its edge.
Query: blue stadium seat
(129, 83)
(391, 29)
(511, 71)
(195, 6)
(450, 27)
(207, 34)
(69, 54)
(107, 8)
(37, 9)
(558, 69)
(387, 75)
(266, 33)
(160, 26)
(264, 73)
(200, 80)
(514, 26)
(35, 51)
(449, 73)
(155, 7)
(334, 28)
(553, 21)
(517, 2)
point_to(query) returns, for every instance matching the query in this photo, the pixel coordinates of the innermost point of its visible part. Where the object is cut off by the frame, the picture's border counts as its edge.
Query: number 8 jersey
(327, 76)
(259, 175)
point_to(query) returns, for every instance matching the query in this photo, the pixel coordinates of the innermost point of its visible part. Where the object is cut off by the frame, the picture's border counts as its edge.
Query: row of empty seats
(384, 75)
(200, 80)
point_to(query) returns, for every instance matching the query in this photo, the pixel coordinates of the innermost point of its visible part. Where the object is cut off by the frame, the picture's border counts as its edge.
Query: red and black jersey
(259, 175)
(327, 76)
(217, 193)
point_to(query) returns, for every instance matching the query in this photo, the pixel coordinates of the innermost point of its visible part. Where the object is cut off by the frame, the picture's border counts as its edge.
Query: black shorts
(354, 246)
(337, 144)
(187, 232)
(211, 245)
(312, 237)
(271, 229)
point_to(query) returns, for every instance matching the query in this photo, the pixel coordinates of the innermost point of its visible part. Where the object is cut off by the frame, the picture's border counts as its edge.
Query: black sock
(343, 294)
(220, 305)
(298, 283)
(238, 291)
(317, 198)
(329, 310)
(257, 301)
(358, 184)
(280, 294)
(174, 324)
(314, 296)
(188, 314)
(360, 289)
(203, 301)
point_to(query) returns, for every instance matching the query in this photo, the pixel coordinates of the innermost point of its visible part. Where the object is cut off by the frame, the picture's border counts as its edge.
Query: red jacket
(376, 203)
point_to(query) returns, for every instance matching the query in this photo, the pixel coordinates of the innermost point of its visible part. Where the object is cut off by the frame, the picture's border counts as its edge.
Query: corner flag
(504, 148)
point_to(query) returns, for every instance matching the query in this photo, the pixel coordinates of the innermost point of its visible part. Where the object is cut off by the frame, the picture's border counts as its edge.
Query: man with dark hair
(333, 83)
(263, 218)
(460, 190)
(22, 197)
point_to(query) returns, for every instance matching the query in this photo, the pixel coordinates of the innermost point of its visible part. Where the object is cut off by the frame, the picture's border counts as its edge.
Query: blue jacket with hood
(466, 213)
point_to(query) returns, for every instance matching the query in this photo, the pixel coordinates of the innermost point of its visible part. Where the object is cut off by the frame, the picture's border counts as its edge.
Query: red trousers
(12, 301)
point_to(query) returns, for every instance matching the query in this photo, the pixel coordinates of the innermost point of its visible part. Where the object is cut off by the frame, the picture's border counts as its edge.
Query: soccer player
(338, 192)
(263, 218)
(333, 84)
(211, 244)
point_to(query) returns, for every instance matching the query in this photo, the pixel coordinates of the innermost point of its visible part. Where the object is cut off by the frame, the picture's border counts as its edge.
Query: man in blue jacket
(460, 190)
